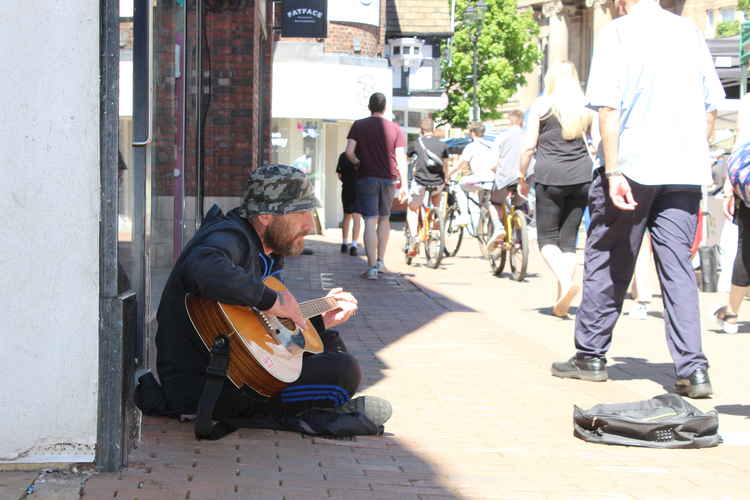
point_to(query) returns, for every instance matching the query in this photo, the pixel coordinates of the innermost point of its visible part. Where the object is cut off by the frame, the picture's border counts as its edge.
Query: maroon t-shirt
(377, 140)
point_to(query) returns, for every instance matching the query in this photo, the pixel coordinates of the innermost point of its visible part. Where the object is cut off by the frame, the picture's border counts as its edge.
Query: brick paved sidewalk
(464, 358)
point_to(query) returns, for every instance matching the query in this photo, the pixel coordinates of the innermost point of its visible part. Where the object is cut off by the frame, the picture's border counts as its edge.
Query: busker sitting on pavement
(227, 261)
(655, 87)
(430, 156)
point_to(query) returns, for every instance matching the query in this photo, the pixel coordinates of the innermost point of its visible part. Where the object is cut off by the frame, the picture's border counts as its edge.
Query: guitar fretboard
(315, 307)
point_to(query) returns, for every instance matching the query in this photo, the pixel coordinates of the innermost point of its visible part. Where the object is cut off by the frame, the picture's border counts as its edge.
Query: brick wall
(234, 141)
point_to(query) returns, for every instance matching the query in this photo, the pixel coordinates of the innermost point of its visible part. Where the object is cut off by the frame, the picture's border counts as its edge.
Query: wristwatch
(613, 173)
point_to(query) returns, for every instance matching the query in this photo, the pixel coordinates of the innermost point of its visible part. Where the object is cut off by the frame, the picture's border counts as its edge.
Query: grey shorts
(375, 196)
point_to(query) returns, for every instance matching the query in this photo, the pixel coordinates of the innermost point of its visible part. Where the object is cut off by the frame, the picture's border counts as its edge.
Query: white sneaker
(381, 267)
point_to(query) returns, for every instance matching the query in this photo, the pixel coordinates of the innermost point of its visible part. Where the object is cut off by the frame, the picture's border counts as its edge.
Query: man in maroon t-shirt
(376, 146)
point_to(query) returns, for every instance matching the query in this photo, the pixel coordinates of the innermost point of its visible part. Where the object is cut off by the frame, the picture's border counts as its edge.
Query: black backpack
(665, 421)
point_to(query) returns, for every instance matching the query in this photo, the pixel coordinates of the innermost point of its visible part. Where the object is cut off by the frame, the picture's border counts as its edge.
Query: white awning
(327, 91)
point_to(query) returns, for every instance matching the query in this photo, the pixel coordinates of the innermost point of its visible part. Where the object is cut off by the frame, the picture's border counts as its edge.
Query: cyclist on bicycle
(508, 170)
(481, 157)
(429, 162)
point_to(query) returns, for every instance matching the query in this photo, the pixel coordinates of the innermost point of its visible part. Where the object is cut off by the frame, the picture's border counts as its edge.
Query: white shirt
(482, 156)
(655, 68)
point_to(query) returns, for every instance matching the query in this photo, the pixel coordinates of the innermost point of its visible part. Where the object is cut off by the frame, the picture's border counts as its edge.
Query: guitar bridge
(283, 330)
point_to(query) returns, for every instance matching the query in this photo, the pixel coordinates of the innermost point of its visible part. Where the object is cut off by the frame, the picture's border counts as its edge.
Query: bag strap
(429, 153)
(216, 372)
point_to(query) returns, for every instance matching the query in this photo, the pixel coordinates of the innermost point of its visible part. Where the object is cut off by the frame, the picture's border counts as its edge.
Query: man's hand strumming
(286, 306)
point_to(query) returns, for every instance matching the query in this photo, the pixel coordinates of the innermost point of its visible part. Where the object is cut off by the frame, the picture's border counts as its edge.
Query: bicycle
(454, 233)
(430, 233)
(515, 246)
(479, 223)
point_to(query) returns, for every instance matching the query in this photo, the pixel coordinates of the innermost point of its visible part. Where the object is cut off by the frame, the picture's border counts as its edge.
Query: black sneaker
(696, 386)
(376, 409)
(353, 251)
(344, 247)
(591, 369)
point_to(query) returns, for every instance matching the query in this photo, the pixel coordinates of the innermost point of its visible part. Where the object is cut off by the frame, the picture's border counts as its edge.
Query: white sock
(344, 241)
(354, 244)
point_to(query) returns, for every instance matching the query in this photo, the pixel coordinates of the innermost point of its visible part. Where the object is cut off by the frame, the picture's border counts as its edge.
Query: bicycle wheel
(484, 230)
(497, 260)
(519, 249)
(407, 246)
(435, 244)
(454, 233)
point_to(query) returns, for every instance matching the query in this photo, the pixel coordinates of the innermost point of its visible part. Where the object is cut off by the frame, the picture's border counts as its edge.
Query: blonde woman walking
(558, 125)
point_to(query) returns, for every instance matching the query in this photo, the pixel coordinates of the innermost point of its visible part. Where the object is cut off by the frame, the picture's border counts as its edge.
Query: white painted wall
(49, 256)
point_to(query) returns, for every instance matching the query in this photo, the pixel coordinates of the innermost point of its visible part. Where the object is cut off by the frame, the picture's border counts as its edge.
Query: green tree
(506, 46)
(744, 6)
(727, 28)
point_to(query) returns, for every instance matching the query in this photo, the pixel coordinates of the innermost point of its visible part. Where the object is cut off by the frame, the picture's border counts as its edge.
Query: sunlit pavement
(464, 357)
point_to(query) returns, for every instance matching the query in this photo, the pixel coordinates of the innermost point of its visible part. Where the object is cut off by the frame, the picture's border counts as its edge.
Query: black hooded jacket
(224, 261)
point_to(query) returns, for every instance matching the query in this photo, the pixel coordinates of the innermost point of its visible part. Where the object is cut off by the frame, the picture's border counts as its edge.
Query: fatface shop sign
(305, 18)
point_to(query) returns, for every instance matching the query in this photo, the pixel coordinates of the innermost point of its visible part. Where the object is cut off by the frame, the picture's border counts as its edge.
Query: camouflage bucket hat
(277, 189)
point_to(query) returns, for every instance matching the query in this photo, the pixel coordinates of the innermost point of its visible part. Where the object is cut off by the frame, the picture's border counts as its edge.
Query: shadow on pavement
(629, 368)
(739, 410)
(256, 463)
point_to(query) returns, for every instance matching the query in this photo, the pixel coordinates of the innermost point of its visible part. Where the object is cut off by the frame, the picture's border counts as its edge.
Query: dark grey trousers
(671, 215)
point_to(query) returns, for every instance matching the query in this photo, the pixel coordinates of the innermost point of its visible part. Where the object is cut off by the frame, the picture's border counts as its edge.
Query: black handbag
(665, 421)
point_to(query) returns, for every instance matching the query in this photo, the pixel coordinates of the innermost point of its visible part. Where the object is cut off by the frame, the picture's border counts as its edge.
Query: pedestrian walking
(556, 134)
(376, 146)
(348, 176)
(736, 209)
(655, 87)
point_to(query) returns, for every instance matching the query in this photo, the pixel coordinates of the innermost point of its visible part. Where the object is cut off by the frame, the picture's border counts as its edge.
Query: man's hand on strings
(347, 306)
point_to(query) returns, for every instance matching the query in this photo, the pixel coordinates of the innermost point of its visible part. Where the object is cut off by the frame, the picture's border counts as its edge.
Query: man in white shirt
(481, 156)
(654, 85)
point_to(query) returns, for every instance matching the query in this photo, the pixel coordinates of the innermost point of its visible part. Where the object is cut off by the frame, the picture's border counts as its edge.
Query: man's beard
(279, 237)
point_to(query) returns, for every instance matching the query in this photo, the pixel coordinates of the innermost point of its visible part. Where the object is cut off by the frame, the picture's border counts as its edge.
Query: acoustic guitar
(265, 351)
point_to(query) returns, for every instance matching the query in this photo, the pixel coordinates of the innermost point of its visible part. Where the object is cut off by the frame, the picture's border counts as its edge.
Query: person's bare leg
(356, 227)
(736, 296)
(371, 239)
(384, 231)
(560, 265)
(412, 219)
(345, 228)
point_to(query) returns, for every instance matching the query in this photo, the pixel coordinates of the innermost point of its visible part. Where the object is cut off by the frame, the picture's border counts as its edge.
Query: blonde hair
(567, 101)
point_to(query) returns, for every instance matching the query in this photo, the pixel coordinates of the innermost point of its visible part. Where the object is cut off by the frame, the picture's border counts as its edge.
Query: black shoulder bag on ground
(665, 421)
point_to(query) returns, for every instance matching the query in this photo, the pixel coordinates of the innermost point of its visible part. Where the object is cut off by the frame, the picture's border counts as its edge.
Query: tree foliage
(727, 28)
(506, 48)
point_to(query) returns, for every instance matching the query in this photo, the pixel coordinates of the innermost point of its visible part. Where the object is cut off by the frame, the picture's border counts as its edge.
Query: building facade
(569, 30)
(157, 110)
(320, 86)
(416, 30)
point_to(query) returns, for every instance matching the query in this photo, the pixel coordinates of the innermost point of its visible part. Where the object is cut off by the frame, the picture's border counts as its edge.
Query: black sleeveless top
(560, 162)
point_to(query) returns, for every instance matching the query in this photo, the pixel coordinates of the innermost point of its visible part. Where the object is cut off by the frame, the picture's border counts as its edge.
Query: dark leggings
(740, 276)
(559, 210)
(328, 380)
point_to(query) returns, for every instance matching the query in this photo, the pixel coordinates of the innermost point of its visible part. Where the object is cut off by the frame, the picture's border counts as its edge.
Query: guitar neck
(315, 307)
